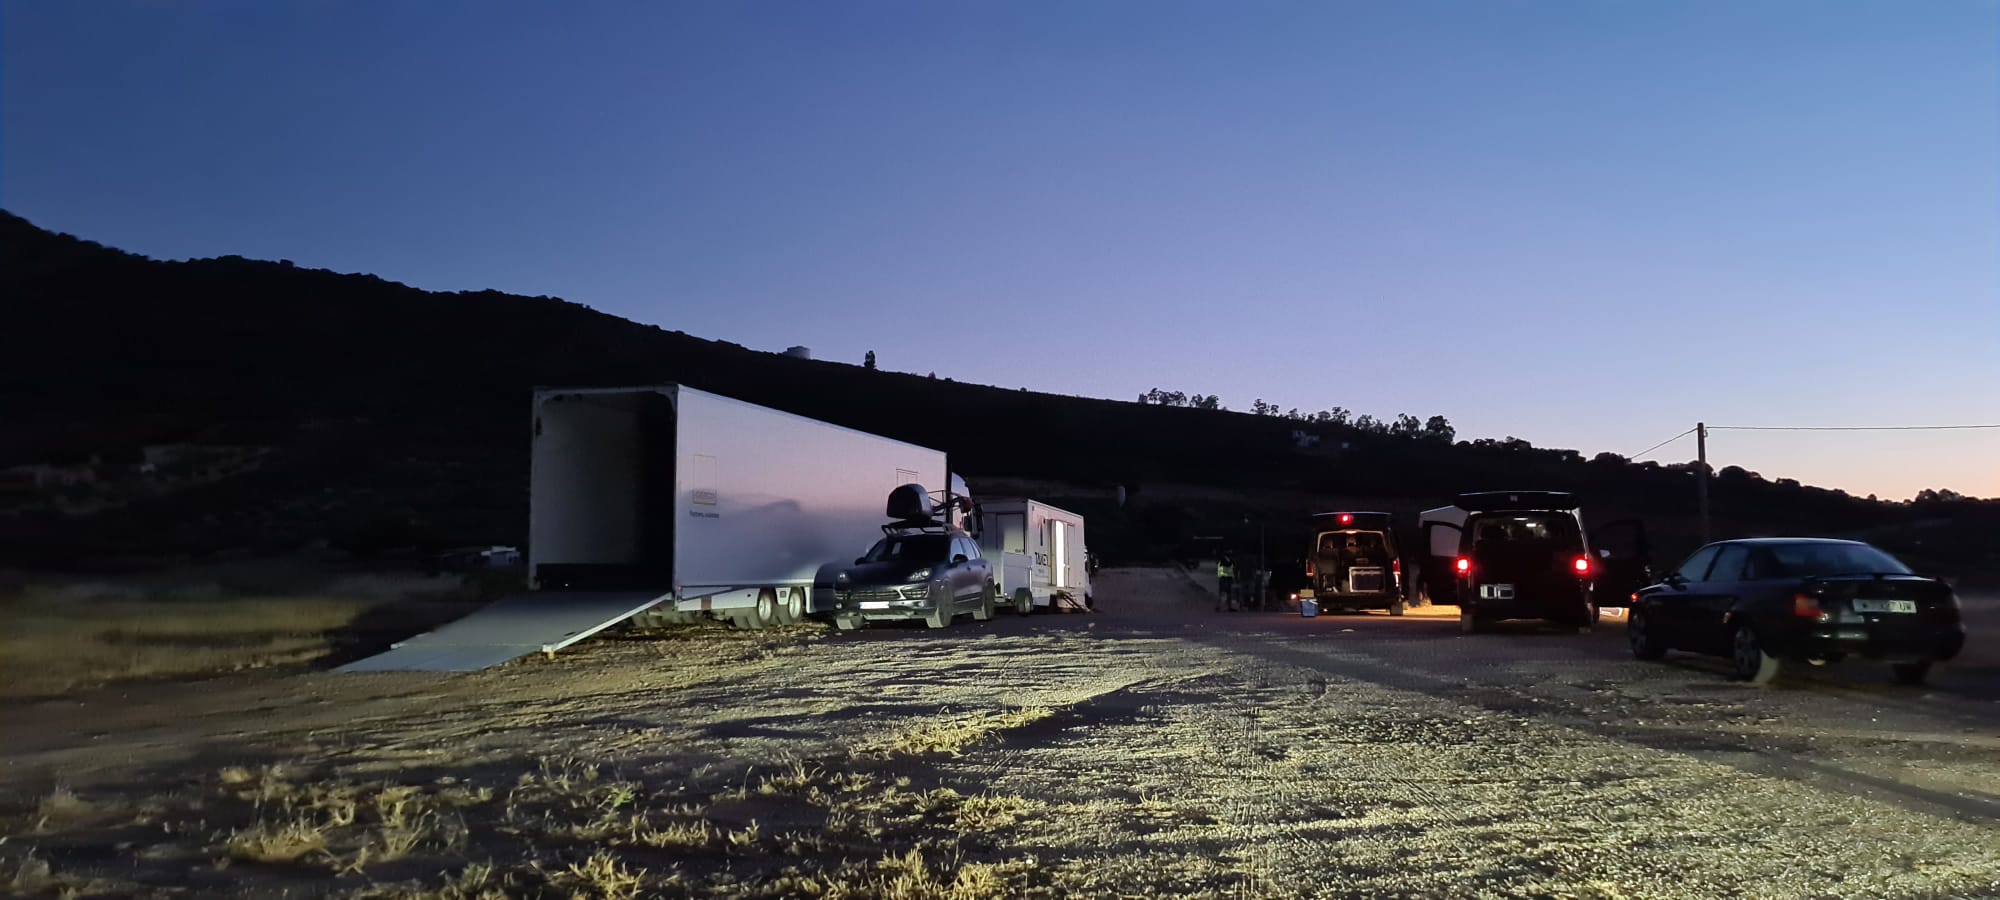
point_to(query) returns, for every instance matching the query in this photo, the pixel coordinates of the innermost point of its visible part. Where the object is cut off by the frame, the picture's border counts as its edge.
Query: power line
(1660, 444)
(1848, 427)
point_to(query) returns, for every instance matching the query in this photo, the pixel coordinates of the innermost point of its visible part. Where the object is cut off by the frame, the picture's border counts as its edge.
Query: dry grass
(952, 735)
(58, 640)
(602, 875)
(279, 842)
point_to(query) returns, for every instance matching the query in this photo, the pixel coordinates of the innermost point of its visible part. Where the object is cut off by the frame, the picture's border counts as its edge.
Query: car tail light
(1806, 606)
(1582, 565)
(1464, 566)
(1635, 597)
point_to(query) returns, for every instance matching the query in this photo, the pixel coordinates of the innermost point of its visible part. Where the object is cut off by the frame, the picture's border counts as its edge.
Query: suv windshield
(1524, 528)
(926, 547)
(1805, 560)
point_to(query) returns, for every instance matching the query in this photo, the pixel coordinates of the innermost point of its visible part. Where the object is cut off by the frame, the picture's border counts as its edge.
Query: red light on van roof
(1346, 518)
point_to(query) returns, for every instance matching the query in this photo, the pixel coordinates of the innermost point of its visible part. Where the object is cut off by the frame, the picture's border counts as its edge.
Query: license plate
(1496, 592)
(1887, 606)
(1306, 594)
(875, 604)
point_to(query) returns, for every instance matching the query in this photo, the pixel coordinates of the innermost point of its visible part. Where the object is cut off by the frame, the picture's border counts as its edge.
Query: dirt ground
(1153, 748)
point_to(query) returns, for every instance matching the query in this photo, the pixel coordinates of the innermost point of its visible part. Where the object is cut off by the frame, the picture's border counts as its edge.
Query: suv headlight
(920, 575)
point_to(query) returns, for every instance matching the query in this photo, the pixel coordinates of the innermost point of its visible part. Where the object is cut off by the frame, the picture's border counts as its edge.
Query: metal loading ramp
(509, 628)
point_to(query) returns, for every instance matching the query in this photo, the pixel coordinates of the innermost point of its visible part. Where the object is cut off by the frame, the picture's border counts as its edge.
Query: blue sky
(1752, 212)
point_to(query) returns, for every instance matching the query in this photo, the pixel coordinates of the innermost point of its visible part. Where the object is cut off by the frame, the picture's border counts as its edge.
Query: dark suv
(1525, 555)
(1353, 563)
(933, 574)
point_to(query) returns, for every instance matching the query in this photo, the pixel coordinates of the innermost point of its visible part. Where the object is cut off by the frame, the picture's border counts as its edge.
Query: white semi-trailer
(1039, 553)
(663, 504)
(725, 508)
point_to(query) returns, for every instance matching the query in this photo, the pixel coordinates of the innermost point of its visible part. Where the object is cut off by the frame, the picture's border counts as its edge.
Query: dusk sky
(1586, 224)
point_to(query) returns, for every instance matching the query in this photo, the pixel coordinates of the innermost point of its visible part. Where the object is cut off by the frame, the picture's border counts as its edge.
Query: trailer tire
(765, 613)
(1024, 602)
(988, 599)
(793, 610)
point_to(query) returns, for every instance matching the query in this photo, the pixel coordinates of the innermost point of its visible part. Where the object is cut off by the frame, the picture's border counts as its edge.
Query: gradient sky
(1746, 211)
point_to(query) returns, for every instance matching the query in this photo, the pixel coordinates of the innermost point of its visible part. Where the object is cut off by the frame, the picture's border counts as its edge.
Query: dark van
(1353, 563)
(1526, 555)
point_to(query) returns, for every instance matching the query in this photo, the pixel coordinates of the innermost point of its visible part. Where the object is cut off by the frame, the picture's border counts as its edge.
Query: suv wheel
(987, 600)
(940, 615)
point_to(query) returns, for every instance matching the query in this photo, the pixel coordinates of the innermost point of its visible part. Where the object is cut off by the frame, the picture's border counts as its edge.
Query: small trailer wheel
(1024, 602)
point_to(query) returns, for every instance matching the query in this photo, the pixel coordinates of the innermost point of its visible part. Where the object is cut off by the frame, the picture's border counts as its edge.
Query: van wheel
(1588, 620)
(1751, 662)
(793, 611)
(1397, 608)
(1024, 602)
(987, 600)
(1470, 622)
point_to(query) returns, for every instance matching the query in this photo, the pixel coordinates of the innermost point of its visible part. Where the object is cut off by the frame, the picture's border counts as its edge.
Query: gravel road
(1153, 748)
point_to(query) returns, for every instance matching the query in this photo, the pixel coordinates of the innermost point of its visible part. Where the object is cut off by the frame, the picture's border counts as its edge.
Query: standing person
(1225, 582)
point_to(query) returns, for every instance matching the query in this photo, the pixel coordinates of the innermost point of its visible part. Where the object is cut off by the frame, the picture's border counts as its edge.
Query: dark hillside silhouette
(397, 416)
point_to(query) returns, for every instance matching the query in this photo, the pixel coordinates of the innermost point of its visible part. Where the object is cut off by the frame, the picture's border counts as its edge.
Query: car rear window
(1334, 543)
(1809, 560)
(1523, 528)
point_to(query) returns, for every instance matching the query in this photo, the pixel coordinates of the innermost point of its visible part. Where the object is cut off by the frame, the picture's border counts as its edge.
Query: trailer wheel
(794, 609)
(988, 598)
(1024, 602)
(765, 613)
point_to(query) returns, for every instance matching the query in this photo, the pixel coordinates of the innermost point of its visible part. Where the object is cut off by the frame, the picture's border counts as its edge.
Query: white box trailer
(663, 503)
(1038, 551)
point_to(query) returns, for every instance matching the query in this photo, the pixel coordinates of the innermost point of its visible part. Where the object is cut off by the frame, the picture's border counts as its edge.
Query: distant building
(799, 352)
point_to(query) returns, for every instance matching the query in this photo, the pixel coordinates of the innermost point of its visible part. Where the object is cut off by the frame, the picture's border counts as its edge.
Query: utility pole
(1701, 474)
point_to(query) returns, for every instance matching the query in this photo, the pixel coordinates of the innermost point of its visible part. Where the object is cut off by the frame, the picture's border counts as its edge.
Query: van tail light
(1396, 567)
(1582, 565)
(1806, 606)
(1310, 569)
(1464, 566)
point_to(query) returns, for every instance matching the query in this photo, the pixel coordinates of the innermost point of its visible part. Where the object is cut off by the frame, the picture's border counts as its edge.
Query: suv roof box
(910, 503)
(1490, 501)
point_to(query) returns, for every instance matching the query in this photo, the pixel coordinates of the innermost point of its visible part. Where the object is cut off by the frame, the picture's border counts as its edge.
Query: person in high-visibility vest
(1225, 580)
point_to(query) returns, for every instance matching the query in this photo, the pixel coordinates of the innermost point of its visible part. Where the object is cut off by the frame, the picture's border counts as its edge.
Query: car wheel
(1912, 672)
(1589, 620)
(1470, 622)
(987, 600)
(1640, 636)
(939, 616)
(846, 622)
(1752, 663)
(1398, 608)
(1024, 602)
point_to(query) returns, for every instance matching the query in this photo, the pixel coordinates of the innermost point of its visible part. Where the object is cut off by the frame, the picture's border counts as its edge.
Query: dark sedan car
(1767, 601)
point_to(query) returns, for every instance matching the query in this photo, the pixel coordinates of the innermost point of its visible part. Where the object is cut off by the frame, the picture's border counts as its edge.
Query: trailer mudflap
(511, 627)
